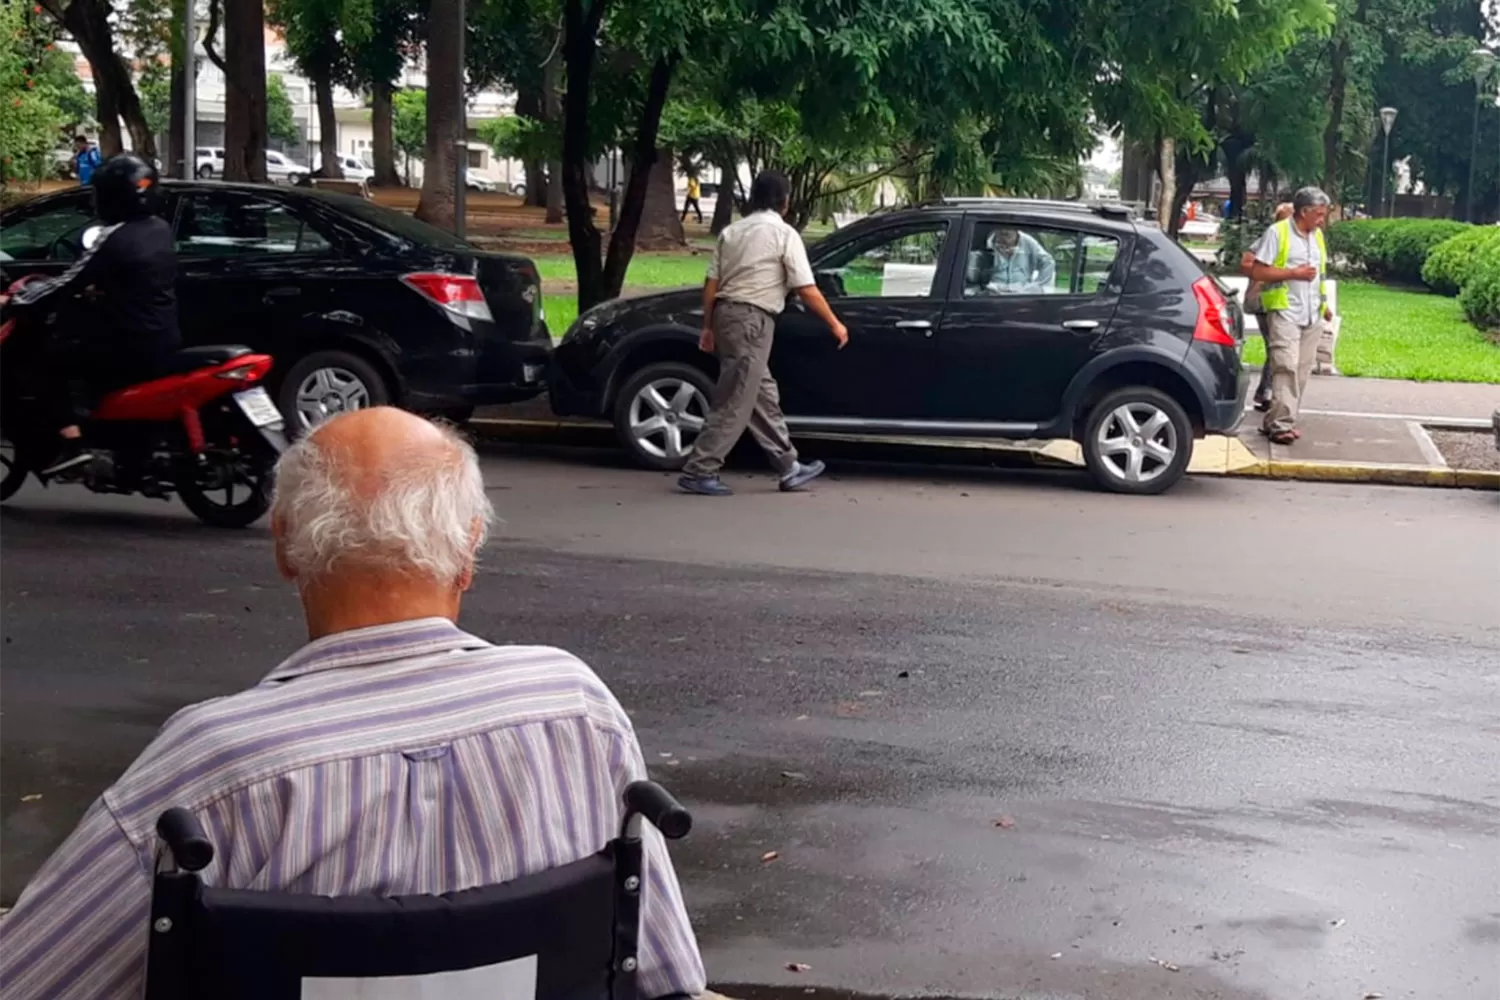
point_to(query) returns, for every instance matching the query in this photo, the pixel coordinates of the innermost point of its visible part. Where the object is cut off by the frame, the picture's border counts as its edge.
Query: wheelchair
(568, 933)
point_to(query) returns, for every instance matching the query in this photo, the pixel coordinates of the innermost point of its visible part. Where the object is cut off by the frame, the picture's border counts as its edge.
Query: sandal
(1283, 437)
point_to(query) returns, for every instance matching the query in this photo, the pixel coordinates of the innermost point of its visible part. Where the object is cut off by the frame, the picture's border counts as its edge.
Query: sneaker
(72, 458)
(704, 486)
(802, 474)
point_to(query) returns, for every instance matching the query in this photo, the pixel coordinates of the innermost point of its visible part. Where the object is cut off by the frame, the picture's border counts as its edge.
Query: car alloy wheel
(1137, 442)
(665, 416)
(326, 392)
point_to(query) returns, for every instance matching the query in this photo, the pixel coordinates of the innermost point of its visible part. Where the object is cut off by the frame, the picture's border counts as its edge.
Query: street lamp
(1387, 119)
(1483, 60)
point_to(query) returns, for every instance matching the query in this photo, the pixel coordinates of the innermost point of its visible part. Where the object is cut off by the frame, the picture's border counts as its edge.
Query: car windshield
(393, 222)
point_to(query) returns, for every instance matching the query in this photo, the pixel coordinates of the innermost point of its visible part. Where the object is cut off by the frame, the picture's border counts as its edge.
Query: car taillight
(1213, 314)
(459, 294)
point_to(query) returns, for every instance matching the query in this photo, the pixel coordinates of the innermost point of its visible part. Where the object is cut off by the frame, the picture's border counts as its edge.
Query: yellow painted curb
(1373, 472)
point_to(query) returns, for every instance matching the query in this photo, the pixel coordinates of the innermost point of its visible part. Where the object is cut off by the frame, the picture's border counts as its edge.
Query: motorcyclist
(127, 277)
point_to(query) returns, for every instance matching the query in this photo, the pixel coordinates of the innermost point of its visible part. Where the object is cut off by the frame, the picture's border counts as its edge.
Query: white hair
(427, 520)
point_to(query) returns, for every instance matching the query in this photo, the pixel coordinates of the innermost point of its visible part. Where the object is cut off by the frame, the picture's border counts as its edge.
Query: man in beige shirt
(759, 261)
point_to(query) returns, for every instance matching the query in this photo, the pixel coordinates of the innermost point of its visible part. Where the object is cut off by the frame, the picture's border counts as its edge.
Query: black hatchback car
(984, 318)
(360, 305)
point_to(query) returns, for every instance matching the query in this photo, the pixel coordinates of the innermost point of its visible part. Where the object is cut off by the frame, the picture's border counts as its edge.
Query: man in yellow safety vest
(1291, 265)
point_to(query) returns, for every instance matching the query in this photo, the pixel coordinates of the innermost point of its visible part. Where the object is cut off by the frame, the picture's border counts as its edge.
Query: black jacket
(132, 321)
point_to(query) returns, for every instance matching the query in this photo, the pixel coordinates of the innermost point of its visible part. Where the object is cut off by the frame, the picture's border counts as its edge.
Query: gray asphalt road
(1009, 737)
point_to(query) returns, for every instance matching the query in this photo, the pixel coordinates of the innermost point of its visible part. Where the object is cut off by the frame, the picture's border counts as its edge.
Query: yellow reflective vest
(1275, 296)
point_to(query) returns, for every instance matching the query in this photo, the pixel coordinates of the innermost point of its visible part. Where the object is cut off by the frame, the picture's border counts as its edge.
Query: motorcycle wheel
(238, 501)
(13, 469)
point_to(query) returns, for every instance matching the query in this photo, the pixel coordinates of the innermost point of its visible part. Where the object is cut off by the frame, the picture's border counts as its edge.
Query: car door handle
(914, 324)
(284, 292)
(1081, 325)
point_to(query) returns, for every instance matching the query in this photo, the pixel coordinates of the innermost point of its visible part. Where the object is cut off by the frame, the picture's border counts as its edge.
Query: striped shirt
(401, 759)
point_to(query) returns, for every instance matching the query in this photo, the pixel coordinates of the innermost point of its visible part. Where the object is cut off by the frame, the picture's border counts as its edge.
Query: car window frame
(62, 202)
(888, 233)
(1113, 288)
(180, 210)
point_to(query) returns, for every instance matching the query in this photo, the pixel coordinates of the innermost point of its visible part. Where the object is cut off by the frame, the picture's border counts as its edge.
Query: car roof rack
(1109, 209)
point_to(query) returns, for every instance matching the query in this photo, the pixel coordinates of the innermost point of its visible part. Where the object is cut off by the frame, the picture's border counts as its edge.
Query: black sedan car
(360, 305)
(984, 318)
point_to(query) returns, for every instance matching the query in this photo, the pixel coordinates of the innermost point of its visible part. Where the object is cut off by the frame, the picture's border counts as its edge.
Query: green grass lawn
(1398, 333)
(647, 270)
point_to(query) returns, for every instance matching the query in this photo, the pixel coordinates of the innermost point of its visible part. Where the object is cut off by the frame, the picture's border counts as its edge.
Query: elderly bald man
(392, 754)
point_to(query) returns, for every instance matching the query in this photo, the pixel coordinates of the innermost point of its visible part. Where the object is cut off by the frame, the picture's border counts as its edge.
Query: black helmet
(125, 187)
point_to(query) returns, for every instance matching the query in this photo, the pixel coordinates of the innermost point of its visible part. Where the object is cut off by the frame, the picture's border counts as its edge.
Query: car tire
(519, 190)
(326, 383)
(13, 469)
(206, 172)
(680, 400)
(1137, 440)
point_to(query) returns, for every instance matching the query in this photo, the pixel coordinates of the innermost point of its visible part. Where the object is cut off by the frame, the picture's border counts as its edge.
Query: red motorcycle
(207, 431)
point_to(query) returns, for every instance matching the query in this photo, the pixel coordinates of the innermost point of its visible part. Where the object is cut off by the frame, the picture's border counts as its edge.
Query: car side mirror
(91, 236)
(830, 284)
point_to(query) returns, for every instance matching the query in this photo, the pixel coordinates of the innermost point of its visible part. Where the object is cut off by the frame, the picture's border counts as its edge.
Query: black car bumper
(1224, 415)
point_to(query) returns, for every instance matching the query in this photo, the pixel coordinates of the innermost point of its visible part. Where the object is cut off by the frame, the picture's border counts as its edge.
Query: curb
(1373, 473)
(1220, 456)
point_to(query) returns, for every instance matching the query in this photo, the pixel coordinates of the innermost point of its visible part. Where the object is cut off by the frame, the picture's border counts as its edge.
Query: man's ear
(278, 534)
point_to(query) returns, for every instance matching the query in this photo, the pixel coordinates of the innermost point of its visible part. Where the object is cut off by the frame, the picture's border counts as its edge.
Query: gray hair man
(393, 754)
(1291, 264)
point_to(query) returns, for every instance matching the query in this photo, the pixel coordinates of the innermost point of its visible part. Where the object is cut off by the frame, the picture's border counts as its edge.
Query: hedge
(1481, 290)
(1391, 249)
(1452, 262)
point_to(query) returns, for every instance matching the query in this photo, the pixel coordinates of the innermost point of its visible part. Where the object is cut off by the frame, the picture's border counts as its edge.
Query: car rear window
(393, 222)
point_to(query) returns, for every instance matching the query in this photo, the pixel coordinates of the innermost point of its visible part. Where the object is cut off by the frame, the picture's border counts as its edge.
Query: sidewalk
(1381, 430)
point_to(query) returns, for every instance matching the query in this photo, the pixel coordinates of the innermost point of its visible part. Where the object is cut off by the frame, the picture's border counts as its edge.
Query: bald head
(1284, 210)
(379, 491)
(370, 447)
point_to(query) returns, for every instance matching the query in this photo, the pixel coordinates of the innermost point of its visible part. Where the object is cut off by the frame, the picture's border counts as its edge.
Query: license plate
(532, 373)
(256, 404)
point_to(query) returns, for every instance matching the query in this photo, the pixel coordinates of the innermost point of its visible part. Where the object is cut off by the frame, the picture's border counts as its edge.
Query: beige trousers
(745, 396)
(1293, 352)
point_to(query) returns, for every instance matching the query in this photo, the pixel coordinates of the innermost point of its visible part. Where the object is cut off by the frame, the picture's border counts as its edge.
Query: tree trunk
(552, 106)
(176, 164)
(661, 226)
(114, 92)
(444, 129)
(724, 206)
(244, 91)
(643, 160)
(1338, 88)
(1238, 189)
(328, 129)
(529, 105)
(382, 116)
(1166, 166)
(581, 29)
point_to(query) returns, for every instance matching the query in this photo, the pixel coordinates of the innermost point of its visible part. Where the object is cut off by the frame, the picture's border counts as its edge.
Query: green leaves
(281, 120)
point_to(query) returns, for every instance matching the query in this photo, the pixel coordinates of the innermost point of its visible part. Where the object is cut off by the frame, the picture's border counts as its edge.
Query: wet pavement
(1007, 737)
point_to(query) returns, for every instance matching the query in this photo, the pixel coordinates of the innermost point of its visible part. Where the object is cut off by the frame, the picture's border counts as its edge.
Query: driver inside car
(1021, 265)
(124, 329)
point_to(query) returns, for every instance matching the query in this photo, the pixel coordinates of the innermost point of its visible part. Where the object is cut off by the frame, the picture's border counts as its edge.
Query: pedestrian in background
(86, 159)
(690, 204)
(758, 262)
(394, 754)
(1291, 264)
(1255, 308)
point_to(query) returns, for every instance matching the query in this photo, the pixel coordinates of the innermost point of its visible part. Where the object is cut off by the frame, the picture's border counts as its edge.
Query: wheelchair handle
(183, 834)
(656, 805)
